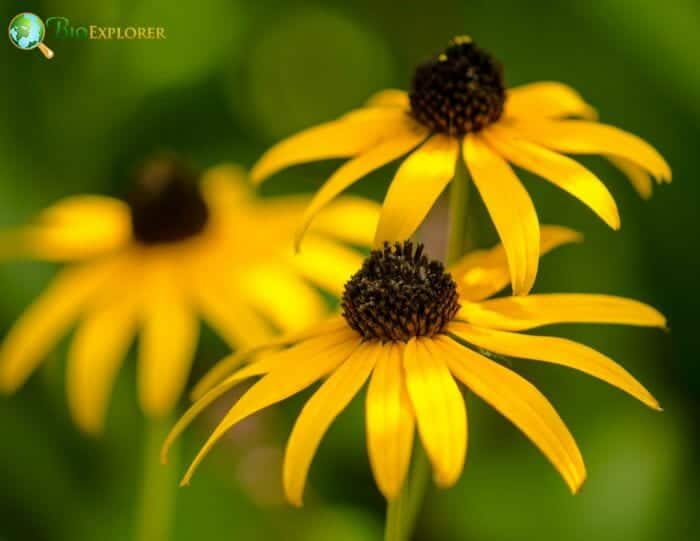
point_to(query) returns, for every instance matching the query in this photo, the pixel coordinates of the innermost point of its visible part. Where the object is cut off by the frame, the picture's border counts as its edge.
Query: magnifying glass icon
(27, 32)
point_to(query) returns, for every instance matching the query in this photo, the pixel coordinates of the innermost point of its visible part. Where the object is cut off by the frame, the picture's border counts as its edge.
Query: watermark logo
(61, 28)
(27, 32)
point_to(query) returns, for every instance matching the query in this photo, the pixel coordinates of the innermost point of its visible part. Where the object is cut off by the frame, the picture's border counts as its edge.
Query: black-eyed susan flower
(459, 108)
(414, 330)
(176, 249)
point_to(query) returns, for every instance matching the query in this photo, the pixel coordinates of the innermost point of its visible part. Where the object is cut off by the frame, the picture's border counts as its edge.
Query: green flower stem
(394, 530)
(159, 490)
(459, 203)
(402, 513)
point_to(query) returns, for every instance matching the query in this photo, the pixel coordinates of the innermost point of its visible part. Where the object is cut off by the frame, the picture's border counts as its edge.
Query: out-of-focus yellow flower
(459, 108)
(413, 330)
(178, 248)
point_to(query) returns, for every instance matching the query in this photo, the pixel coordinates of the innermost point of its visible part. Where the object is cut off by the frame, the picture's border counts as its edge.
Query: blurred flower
(458, 105)
(175, 250)
(412, 329)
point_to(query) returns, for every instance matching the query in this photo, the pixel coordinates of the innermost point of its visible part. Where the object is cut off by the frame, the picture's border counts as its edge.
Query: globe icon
(27, 32)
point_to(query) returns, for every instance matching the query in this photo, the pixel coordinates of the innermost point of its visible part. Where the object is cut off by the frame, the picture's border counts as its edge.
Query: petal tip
(257, 173)
(446, 480)
(576, 484)
(298, 239)
(656, 319)
(577, 487)
(653, 403)
(92, 429)
(390, 493)
(187, 478)
(589, 112)
(577, 237)
(667, 173)
(612, 217)
(295, 500)
(522, 289)
(165, 451)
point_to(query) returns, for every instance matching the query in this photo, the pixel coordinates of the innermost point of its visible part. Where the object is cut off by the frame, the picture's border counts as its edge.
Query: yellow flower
(413, 330)
(458, 108)
(175, 250)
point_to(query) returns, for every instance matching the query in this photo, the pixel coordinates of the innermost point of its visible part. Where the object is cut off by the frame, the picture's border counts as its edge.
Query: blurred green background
(233, 77)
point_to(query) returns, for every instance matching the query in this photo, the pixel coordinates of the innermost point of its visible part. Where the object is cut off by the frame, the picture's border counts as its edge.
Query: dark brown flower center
(399, 293)
(459, 91)
(166, 204)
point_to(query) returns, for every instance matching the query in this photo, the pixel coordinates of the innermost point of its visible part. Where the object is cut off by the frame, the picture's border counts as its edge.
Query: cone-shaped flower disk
(414, 331)
(178, 248)
(458, 107)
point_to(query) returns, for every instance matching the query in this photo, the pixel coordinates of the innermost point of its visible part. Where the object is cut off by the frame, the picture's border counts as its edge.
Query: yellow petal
(562, 171)
(43, 324)
(100, 345)
(167, 347)
(556, 351)
(225, 368)
(327, 331)
(522, 313)
(522, 404)
(638, 177)
(79, 227)
(511, 210)
(84, 208)
(282, 297)
(389, 98)
(257, 368)
(396, 145)
(225, 187)
(231, 318)
(350, 219)
(547, 99)
(348, 136)
(439, 408)
(318, 414)
(390, 423)
(582, 137)
(418, 183)
(483, 273)
(278, 385)
(327, 264)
